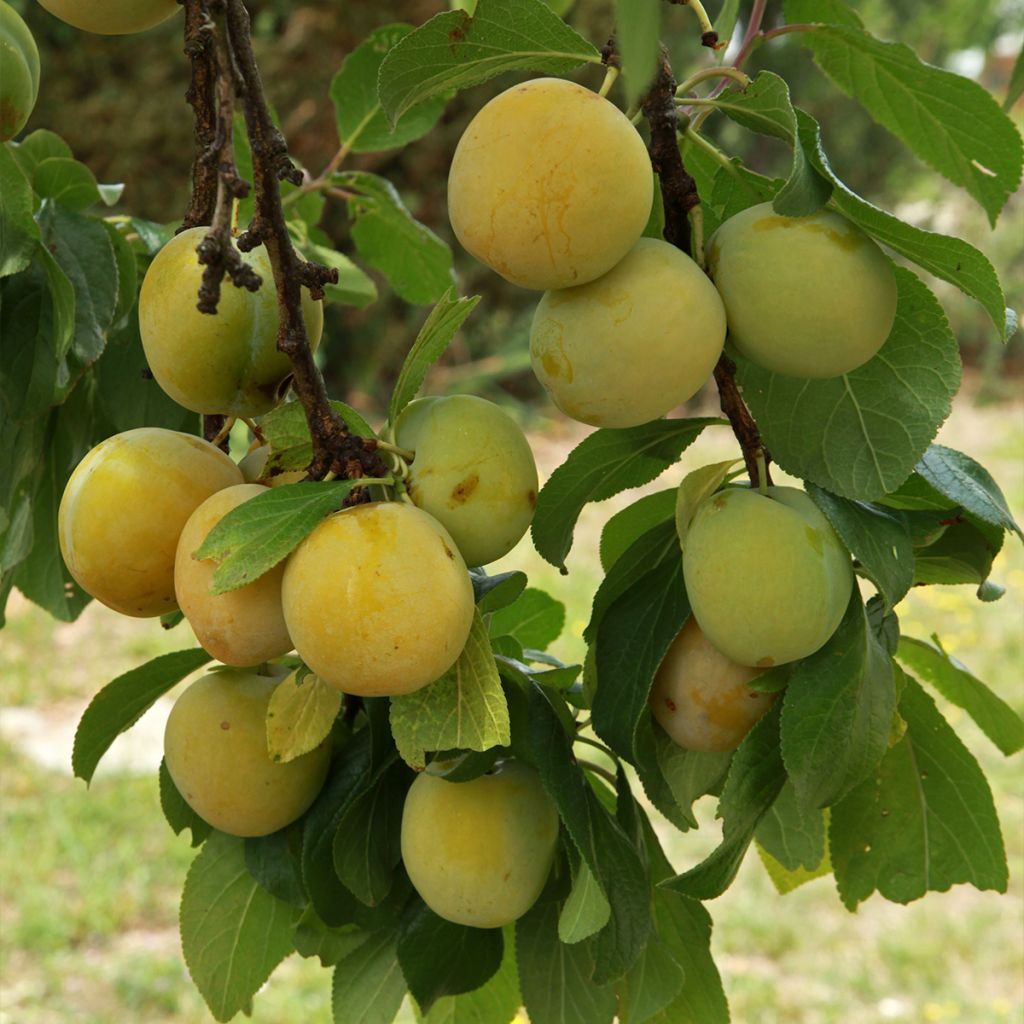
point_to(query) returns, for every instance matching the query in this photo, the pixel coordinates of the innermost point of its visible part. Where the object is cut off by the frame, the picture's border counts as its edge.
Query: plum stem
(224, 71)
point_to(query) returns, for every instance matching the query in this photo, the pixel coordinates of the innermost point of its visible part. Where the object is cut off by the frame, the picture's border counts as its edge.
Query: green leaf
(585, 911)
(1016, 87)
(67, 182)
(177, 812)
(882, 415)
(233, 932)
(950, 259)
(454, 51)
(81, 247)
(126, 397)
(368, 986)
(329, 945)
(837, 710)
(416, 262)
(765, 107)
(555, 978)
(38, 146)
(463, 710)
(535, 619)
(756, 776)
(996, 719)
(632, 638)
(122, 702)
(685, 928)
(923, 822)
(627, 525)
(127, 273)
(19, 233)
(439, 958)
(350, 775)
(968, 484)
(494, 592)
(362, 126)
(950, 122)
(42, 575)
(251, 539)
(877, 538)
(785, 880)
(273, 860)
(822, 12)
(695, 487)
(495, 1002)
(434, 337)
(602, 465)
(62, 297)
(300, 715)
(673, 777)
(637, 37)
(963, 553)
(654, 981)
(366, 844)
(792, 833)
(600, 841)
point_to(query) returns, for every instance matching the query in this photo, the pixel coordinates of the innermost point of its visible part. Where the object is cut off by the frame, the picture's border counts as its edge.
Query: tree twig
(679, 196)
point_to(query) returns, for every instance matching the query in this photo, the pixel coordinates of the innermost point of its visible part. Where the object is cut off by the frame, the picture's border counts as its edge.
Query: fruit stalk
(679, 196)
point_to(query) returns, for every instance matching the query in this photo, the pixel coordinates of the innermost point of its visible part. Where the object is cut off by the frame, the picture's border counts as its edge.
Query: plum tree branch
(679, 198)
(225, 70)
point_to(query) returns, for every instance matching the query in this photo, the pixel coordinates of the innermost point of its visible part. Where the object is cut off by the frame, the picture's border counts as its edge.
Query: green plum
(112, 17)
(473, 472)
(378, 600)
(215, 747)
(241, 627)
(767, 577)
(223, 363)
(550, 185)
(479, 852)
(805, 296)
(19, 72)
(123, 511)
(632, 345)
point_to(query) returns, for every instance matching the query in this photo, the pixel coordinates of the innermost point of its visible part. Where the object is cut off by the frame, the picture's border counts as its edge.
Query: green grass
(90, 879)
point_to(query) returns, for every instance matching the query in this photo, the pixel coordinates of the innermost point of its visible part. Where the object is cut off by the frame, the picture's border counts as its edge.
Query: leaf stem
(599, 746)
(708, 73)
(598, 770)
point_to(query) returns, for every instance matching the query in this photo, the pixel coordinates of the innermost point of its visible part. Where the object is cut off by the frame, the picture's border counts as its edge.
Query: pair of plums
(551, 186)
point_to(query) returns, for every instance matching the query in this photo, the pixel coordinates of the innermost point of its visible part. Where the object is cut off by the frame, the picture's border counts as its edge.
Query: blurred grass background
(89, 882)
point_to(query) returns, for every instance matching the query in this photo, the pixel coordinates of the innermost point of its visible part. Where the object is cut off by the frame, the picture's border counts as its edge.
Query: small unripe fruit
(550, 185)
(19, 72)
(805, 296)
(767, 578)
(473, 472)
(701, 698)
(378, 600)
(479, 852)
(632, 345)
(215, 746)
(227, 363)
(241, 627)
(112, 17)
(123, 511)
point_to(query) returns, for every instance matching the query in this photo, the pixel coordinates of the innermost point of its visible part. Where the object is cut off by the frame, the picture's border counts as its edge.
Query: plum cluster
(551, 186)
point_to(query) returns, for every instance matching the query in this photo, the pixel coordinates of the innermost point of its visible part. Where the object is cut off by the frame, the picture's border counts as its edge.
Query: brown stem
(224, 63)
(679, 196)
(201, 96)
(678, 189)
